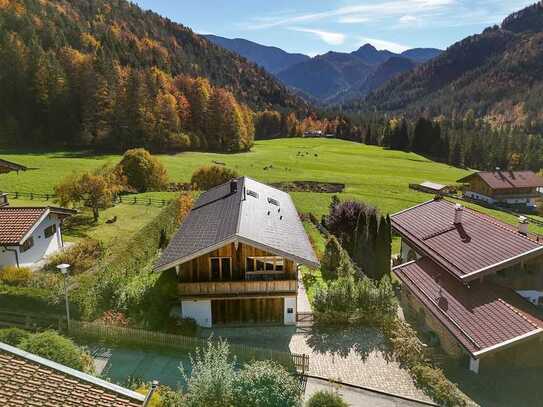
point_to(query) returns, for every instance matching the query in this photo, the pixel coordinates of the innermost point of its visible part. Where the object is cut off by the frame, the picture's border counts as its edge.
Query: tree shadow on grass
(342, 341)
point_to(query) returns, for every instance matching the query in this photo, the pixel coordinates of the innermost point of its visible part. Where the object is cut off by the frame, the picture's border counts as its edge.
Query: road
(358, 397)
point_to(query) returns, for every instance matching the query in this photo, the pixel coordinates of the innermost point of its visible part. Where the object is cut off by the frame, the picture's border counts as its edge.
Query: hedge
(30, 299)
(99, 291)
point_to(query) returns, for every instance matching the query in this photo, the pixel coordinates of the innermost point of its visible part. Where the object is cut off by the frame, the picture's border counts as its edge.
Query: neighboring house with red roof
(473, 281)
(236, 256)
(512, 188)
(28, 234)
(30, 380)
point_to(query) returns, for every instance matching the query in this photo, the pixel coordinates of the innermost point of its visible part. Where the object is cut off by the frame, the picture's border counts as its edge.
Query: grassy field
(371, 174)
(130, 219)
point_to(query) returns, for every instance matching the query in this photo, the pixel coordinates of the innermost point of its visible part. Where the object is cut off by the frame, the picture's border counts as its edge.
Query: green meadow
(371, 174)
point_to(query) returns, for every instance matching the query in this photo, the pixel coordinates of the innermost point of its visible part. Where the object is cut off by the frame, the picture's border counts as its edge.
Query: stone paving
(355, 356)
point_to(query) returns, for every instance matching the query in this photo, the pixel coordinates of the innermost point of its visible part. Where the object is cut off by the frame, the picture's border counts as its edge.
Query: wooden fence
(121, 199)
(139, 337)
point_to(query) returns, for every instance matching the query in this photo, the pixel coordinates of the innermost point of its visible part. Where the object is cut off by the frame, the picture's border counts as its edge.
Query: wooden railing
(237, 287)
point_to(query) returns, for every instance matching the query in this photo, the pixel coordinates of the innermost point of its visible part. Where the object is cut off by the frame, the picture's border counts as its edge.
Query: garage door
(247, 311)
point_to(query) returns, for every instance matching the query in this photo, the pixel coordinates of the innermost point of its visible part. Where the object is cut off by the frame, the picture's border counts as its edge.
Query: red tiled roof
(477, 245)
(482, 317)
(507, 179)
(28, 380)
(15, 223)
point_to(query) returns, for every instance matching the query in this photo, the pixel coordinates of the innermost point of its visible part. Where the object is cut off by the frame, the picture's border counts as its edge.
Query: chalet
(511, 188)
(473, 281)
(8, 166)
(237, 256)
(30, 380)
(28, 234)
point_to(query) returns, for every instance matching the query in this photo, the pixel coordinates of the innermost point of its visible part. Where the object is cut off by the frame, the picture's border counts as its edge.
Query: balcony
(237, 287)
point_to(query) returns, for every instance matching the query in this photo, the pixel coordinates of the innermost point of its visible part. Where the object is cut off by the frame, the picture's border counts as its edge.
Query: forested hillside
(497, 74)
(105, 74)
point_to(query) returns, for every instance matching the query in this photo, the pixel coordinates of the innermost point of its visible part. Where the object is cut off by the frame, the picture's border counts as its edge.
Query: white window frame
(265, 259)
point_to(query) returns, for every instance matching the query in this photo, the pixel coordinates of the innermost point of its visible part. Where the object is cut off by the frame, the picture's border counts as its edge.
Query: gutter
(154, 387)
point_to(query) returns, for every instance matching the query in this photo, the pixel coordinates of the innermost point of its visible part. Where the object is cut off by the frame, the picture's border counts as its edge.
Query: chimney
(523, 225)
(233, 186)
(458, 210)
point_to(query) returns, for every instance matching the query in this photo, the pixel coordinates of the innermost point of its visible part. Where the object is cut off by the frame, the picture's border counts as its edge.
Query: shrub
(438, 386)
(30, 299)
(13, 336)
(265, 384)
(81, 257)
(162, 397)
(336, 262)
(114, 318)
(143, 171)
(208, 177)
(211, 383)
(326, 398)
(342, 221)
(55, 347)
(17, 276)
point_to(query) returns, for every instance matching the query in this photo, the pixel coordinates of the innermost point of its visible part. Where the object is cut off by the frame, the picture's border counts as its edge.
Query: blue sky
(317, 26)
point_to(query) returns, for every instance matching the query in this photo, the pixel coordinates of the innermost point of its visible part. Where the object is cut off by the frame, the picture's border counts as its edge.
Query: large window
(264, 265)
(50, 231)
(221, 268)
(27, 245)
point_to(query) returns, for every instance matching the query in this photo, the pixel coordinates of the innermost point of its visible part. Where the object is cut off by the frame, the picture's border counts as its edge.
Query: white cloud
(357, 13)
(328, 37)
(408, 19)
(383, 44)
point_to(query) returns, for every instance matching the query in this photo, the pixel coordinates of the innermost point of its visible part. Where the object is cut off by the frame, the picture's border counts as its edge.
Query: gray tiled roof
(220, 217)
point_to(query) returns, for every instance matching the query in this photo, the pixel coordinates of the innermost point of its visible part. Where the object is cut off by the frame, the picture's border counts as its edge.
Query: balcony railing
(237, 287)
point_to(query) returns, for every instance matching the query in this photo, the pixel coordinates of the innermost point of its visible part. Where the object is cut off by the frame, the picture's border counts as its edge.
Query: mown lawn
(371, 174)
(130, 219)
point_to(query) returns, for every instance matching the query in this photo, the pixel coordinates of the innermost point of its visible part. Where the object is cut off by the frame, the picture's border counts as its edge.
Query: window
(273, 201)
(50, 231)
(252, 193)
(270, 264)
(27, 245)
(221, 268)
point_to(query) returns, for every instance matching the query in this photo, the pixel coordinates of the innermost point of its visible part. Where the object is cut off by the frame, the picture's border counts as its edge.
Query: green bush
(81, 257)
(265, 384)
(17, 276)
(13, 336)
(143, 171)
(55, 347)
(438, 386)
(326, 398)
(211, 382)
(208, 177)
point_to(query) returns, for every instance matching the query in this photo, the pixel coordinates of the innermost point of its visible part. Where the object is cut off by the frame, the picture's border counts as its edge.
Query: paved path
(355, 356)
(303, 304)
(358, 397)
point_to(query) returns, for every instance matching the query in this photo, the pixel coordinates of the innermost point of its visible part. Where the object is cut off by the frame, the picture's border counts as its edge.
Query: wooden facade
(237, 271)
(242, 311)
(476, 184)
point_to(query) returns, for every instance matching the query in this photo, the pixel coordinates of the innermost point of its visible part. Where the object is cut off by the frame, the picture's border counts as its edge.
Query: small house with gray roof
(237, 256)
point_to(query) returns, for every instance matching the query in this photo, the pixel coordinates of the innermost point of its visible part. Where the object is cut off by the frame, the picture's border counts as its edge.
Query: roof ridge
(500, 224)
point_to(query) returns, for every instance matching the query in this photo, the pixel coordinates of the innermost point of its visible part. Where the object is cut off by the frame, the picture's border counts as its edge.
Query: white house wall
(42, 246)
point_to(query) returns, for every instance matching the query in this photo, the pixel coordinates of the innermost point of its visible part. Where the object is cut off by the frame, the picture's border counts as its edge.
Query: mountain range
(331, 77)
(497, 74)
